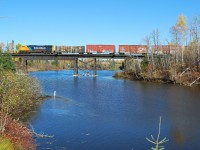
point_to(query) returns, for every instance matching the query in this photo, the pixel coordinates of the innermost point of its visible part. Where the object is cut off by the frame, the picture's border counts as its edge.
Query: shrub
(18, 94)
(144, 62)
(6, 62)
(55, 63)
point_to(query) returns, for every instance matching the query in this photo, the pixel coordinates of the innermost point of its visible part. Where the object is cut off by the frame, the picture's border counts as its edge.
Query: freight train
(94, 49)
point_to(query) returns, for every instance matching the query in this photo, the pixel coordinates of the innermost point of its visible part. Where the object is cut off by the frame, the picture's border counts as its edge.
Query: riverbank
(20, 95)
(44, 68)
(185, 79)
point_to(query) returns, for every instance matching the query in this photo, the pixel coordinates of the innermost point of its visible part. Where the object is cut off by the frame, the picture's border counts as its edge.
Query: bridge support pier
(125, 65)
(26, 61)
(95, 68)
(76, 67)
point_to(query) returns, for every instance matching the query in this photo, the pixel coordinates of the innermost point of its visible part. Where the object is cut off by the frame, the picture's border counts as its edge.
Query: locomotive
(46, 49)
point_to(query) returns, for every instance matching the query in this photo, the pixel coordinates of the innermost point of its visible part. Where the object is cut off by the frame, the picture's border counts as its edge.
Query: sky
(81, 22)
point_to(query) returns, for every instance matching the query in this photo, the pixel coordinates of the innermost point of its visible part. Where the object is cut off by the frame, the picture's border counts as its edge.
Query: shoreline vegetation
(19, 97)
(160, 78)
(15, 135)
(178, 64)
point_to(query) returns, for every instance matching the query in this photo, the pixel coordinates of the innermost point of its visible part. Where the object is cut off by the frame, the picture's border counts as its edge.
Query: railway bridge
(74, 57)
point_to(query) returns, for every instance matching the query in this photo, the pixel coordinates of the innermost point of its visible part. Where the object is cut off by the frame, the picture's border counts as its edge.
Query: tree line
(181, 65)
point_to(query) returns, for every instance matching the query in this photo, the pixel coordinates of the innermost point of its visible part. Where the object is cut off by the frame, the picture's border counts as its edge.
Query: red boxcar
(161, 49)
(165, 49)
(100, 49)
(133, 49)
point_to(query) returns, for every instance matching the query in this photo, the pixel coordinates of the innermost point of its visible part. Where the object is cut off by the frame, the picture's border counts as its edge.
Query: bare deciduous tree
(2, 45)
(195, 39)
(182, 30)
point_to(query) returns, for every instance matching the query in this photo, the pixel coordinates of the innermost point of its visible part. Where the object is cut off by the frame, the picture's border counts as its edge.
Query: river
(104, 113)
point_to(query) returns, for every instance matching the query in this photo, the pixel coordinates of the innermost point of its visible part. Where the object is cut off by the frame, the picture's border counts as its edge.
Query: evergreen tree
(144, 63)
(6, 62)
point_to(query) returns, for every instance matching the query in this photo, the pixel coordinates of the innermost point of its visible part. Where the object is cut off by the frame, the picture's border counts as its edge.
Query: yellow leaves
(179, 30)
(171, 44)
(181, 23)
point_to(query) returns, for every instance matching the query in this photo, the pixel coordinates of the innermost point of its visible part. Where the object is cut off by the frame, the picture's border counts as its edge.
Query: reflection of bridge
(74, 57)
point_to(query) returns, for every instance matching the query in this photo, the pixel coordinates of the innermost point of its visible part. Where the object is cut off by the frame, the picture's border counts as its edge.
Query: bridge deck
(72, 56)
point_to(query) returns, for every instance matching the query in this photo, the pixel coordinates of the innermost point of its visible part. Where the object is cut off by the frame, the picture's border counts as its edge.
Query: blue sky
(81, 22)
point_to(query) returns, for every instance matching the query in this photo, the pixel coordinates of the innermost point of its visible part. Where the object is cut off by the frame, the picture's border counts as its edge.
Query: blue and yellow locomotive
(27, 49)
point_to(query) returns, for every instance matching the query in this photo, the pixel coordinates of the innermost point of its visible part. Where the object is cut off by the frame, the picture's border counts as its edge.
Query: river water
(104, 113)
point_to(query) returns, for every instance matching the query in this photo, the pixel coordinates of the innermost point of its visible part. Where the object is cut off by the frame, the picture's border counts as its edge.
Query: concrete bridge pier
(95, 68)
(76, 67)
(26, 61)
(125, 65)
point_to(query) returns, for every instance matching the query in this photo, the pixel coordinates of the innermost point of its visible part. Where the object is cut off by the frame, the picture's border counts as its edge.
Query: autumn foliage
(20, 137)
(180, 65)
(19, 95)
